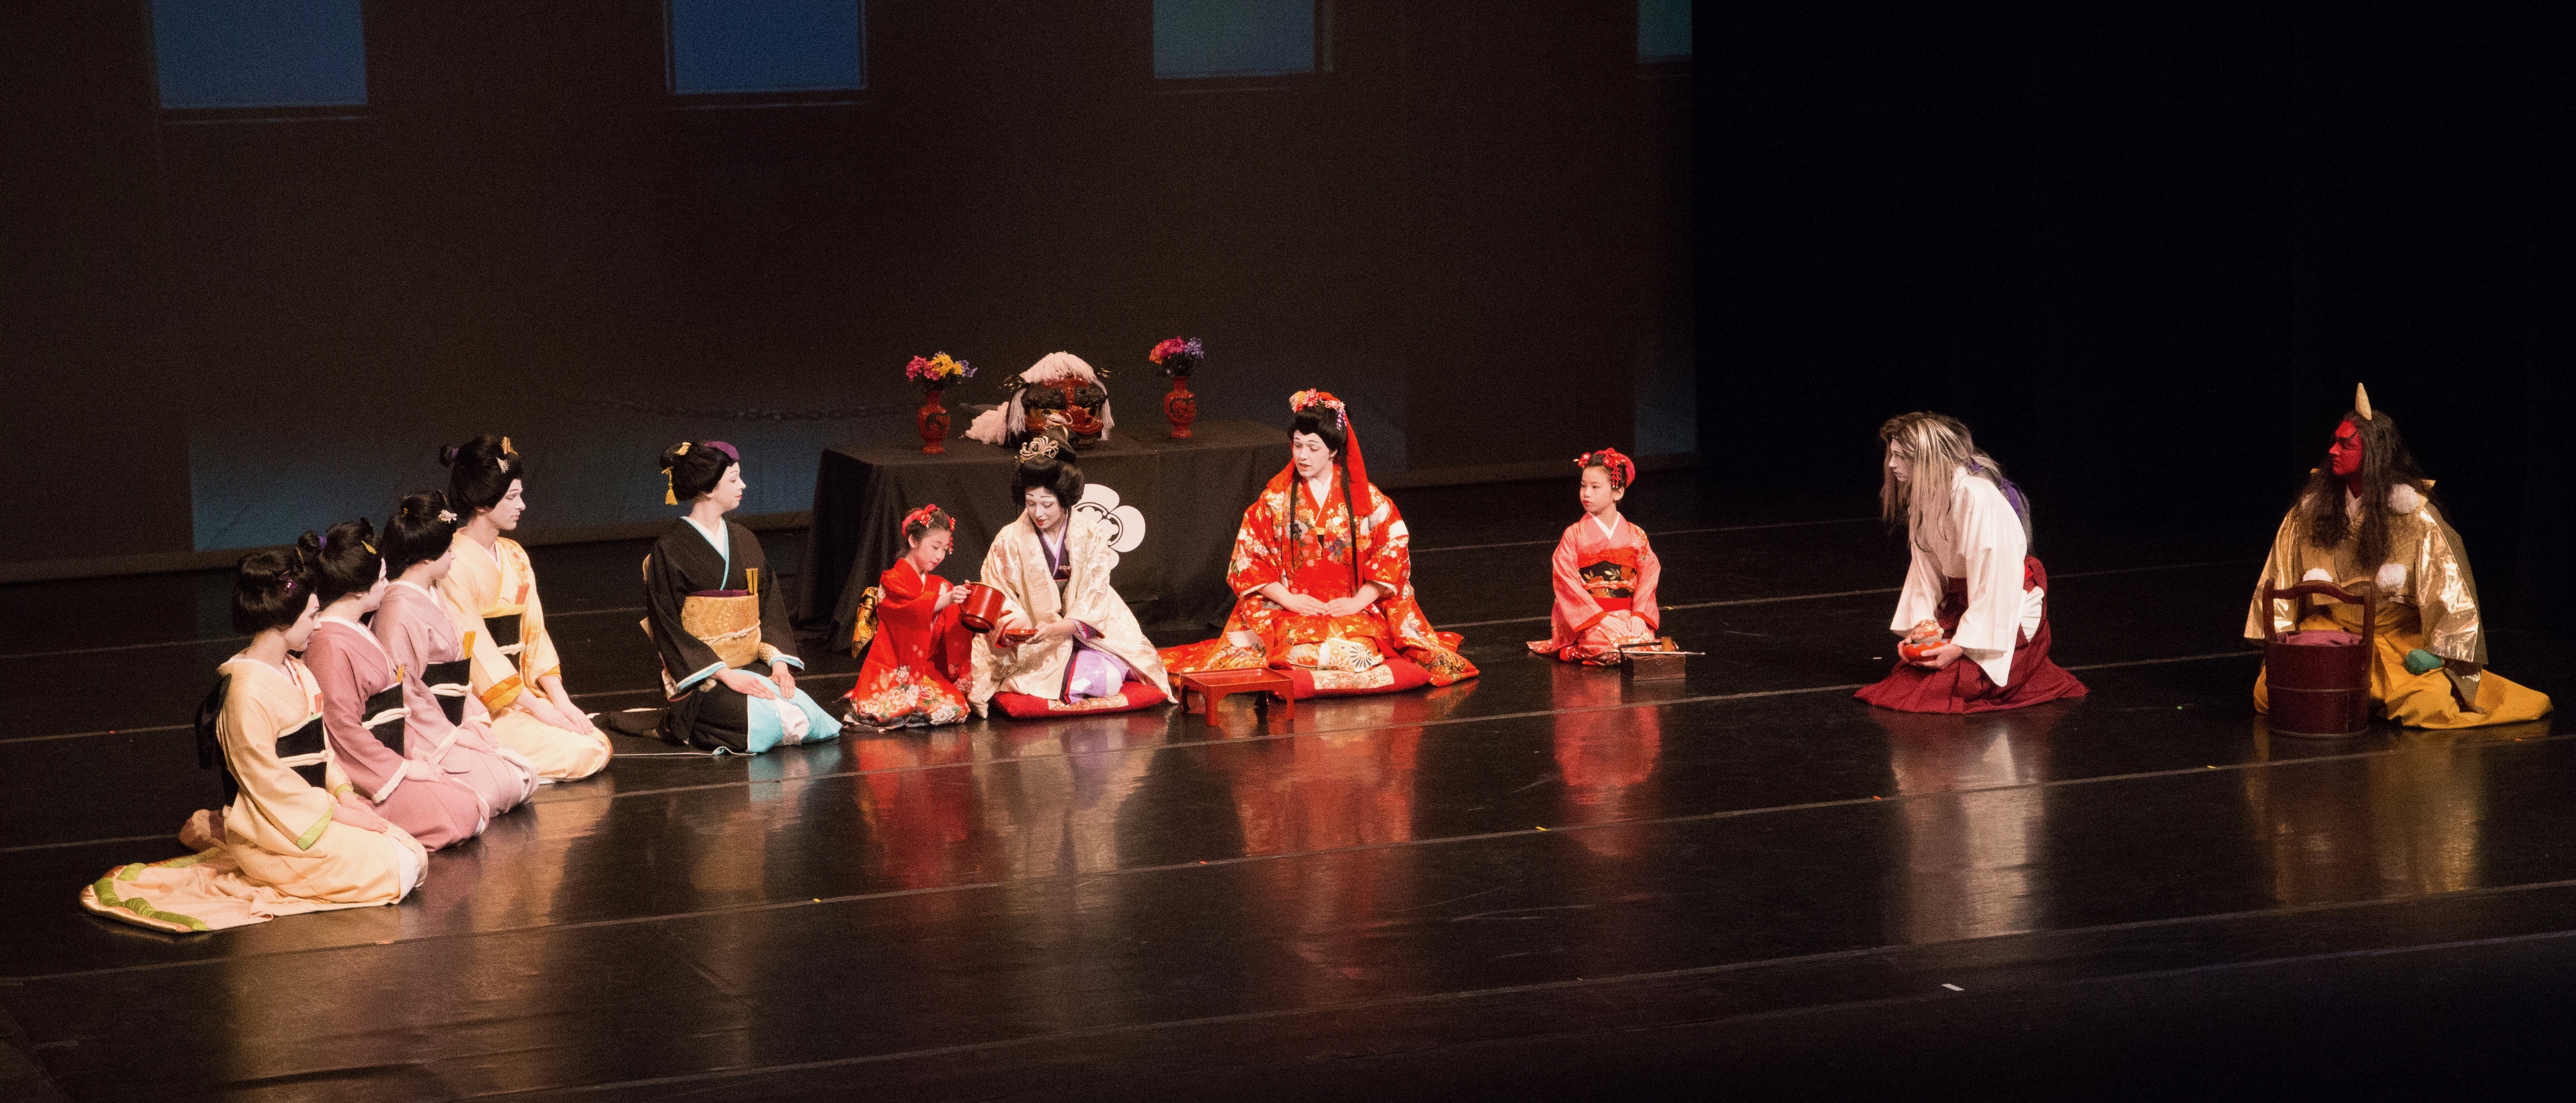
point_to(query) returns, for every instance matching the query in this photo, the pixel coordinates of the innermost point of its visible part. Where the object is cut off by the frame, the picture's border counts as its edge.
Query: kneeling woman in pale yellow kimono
(295, 838)
(2368, 524)
(1066, 642)
(492, 591)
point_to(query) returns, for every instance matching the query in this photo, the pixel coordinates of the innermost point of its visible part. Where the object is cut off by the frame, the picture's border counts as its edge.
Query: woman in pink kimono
(1604, 572)
(362, 698)
(445, 724)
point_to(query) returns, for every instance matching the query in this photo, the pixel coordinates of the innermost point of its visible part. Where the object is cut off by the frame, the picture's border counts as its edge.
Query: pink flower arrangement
(1178, 356)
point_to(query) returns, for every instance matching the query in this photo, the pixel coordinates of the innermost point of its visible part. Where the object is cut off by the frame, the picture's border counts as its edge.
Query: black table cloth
(1190, 493)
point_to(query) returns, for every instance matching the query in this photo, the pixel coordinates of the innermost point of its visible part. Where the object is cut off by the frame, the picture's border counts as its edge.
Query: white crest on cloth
(1126, 524)
(2392, 576)
(2404, 499)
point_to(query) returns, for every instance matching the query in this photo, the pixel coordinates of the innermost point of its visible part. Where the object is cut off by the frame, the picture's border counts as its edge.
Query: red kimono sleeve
(1575, 611)
(1650, 570)
(1256, 562)
(1388, 559)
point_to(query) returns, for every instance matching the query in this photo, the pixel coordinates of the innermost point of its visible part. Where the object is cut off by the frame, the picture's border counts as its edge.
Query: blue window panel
(1233, 38)
(259, 53)
(1663, 30)
(766, 46)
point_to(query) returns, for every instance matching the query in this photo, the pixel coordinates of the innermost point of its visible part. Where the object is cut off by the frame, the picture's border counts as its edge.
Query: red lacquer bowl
(982, 607)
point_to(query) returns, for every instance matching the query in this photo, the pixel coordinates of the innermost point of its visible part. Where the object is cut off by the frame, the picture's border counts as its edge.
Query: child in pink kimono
(1604, 573)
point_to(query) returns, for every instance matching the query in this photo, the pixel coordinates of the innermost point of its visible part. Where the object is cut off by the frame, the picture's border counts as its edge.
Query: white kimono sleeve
(1992, 546)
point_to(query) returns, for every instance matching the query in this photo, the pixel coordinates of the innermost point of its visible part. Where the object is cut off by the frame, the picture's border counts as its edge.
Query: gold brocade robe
(2427, 600)
(495, 583)
(1017, 566)
(283, 851)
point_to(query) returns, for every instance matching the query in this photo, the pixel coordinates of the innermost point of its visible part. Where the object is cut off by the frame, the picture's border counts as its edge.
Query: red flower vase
(933, 422)
(1181, 407)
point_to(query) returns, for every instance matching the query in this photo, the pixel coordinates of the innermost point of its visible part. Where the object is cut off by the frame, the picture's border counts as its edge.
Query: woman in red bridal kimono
(1973, 574)
(1324, 576)
(1605, 573)
(920, 650)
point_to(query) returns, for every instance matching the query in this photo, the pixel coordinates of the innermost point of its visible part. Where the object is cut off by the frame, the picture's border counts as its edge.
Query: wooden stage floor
(1541, 883)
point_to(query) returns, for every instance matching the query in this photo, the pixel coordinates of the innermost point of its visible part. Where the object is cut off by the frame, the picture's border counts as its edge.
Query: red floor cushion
(1392, 676)
(1132, 696)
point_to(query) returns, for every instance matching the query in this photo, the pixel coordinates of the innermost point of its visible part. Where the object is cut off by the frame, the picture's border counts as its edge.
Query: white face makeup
(728, 492)
(505, 513)
(1044, 508)
(1308, 453)
(375, 596)
(301, 632)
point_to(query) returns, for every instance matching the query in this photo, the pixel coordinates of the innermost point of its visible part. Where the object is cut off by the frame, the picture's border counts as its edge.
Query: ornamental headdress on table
(1621, 469)
(999, 424)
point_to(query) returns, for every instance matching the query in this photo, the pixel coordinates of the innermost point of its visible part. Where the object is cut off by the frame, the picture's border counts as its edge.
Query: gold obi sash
(727, 621)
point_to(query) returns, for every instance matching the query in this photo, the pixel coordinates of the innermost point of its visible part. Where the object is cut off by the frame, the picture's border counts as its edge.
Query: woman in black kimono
(728, 654)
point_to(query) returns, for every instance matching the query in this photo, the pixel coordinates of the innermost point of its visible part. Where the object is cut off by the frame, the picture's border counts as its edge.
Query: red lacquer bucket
(982, 608)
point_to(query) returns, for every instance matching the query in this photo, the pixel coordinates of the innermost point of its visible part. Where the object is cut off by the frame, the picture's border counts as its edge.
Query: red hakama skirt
(1963, 686)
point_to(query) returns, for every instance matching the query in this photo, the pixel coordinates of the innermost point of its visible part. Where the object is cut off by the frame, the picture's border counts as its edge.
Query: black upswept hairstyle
(415, 534)
(347, 561)
(271, 588)
(479, 472)
(694, 471)
(1057, 475)
(1321, 421)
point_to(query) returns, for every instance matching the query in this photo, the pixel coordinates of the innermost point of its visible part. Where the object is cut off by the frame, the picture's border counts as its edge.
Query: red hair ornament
(1621, 469)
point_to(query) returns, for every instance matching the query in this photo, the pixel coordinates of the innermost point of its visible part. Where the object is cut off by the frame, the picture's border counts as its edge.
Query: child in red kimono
(920, 649)
(1605, 572)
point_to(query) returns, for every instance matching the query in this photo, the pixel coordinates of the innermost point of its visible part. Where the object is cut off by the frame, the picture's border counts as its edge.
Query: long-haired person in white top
(1972, 576)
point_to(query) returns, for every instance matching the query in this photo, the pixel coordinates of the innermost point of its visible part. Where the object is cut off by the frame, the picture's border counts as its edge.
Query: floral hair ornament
(447, 516)
(923, 516)
(1300, 401)
(503, 462)
(371, 549)
(1621, 469)
(1040, 447)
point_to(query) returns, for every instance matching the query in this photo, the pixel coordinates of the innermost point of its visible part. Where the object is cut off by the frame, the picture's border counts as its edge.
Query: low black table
(1191, 494)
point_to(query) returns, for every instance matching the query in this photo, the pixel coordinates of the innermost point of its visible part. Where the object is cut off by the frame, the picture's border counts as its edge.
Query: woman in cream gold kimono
(295, 838)
(1323, 576)
(1066, 642)
(492, 591)
(2367, 522)
(728, 655)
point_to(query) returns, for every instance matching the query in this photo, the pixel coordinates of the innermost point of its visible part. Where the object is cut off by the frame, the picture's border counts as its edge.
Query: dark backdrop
(2146, 251)
(1474, 227)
